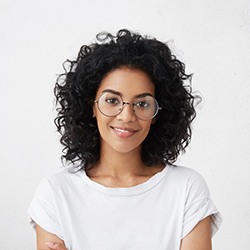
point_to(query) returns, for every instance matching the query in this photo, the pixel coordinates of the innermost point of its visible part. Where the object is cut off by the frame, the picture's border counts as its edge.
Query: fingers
(55, 246)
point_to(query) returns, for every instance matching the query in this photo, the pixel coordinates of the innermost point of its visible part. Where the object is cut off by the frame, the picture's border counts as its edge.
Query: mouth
(124, 132)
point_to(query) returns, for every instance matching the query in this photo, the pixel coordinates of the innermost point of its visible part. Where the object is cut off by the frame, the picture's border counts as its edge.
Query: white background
(212, 37)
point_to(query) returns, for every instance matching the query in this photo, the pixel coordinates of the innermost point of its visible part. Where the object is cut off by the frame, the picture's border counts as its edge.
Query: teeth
(121, 130)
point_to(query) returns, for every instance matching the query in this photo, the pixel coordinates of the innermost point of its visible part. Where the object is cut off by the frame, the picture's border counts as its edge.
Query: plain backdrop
(212, 37)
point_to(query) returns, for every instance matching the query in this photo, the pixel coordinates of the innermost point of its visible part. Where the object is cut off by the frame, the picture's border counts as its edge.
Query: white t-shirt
(156, 214)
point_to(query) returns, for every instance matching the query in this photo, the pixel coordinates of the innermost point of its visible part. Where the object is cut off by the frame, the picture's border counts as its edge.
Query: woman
(125, 115)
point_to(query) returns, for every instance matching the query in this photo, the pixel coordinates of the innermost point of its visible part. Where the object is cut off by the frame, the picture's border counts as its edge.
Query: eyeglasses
(145, 107)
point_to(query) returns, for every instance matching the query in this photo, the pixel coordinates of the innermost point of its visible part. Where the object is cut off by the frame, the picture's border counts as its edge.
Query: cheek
(102, 122)
(146, 128)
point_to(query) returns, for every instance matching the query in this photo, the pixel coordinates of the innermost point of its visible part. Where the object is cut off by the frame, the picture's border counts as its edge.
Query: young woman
(125, 112)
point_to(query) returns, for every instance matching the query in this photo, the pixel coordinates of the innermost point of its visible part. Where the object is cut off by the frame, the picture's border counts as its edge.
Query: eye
(142, 104)
(112, 100)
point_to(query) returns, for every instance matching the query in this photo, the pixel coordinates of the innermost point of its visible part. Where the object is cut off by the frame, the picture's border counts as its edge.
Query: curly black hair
(76, 88)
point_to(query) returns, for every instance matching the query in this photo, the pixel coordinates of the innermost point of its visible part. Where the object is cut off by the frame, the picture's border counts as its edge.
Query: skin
(121, 137)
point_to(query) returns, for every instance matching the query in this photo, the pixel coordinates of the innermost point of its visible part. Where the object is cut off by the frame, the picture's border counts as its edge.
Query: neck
(116, 169)
(120, 164)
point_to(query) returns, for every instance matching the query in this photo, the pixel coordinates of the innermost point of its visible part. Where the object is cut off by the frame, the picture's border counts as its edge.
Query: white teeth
(121, 130)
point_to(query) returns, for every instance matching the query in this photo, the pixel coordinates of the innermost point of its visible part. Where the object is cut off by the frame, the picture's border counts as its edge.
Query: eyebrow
(118, 93)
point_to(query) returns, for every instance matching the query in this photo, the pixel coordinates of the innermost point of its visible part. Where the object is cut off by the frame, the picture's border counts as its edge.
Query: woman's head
(124, 109)
(76, 91)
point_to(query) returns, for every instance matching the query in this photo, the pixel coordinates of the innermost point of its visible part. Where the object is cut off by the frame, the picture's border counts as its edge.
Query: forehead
(128, 82)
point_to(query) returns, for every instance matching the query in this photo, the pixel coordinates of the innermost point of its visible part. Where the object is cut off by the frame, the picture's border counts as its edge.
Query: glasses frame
(128, 103)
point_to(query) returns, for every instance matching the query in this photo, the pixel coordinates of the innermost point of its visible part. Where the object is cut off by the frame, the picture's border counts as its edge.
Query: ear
(153, 121)
(92, 104)
(94, 112)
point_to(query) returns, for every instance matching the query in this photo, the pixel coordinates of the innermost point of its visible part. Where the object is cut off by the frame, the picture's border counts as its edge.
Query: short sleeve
(199, 206)
(43, 211)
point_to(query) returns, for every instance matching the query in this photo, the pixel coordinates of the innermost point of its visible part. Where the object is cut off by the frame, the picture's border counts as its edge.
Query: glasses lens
(145, 107)
(110, 104)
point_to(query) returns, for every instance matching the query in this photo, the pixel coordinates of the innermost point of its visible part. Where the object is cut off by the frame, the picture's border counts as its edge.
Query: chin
(122, 149)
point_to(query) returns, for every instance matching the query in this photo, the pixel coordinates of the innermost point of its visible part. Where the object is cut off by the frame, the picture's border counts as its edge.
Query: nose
(127, 114)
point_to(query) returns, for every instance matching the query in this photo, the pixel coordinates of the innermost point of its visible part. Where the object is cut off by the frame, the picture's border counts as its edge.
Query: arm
(48, 241)
(199, 238)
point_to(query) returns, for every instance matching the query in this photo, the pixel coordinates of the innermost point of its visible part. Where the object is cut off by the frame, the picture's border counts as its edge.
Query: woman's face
(124, 132)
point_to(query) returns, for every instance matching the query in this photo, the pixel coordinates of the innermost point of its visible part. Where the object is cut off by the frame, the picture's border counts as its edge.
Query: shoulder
(186, 174)
(65, 174)
(188, 179)
(61, 180)
(196, 197)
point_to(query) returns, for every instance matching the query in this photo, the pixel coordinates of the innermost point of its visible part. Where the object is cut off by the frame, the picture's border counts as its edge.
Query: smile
(123, 132)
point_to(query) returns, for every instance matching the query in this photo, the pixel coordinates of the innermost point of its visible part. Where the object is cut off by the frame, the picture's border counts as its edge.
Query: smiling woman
(124, 116)
(119, 125)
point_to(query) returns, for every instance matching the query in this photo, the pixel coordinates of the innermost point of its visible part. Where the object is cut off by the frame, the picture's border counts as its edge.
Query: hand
(55, 246)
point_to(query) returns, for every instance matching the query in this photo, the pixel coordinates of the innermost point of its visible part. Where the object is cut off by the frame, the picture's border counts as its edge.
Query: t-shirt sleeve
(199, 206)
(43, 210)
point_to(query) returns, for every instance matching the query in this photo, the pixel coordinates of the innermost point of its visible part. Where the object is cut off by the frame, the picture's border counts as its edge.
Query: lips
(124, 132)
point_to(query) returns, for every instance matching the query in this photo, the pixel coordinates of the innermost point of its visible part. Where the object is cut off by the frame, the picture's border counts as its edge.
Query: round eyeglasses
(144, 107)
